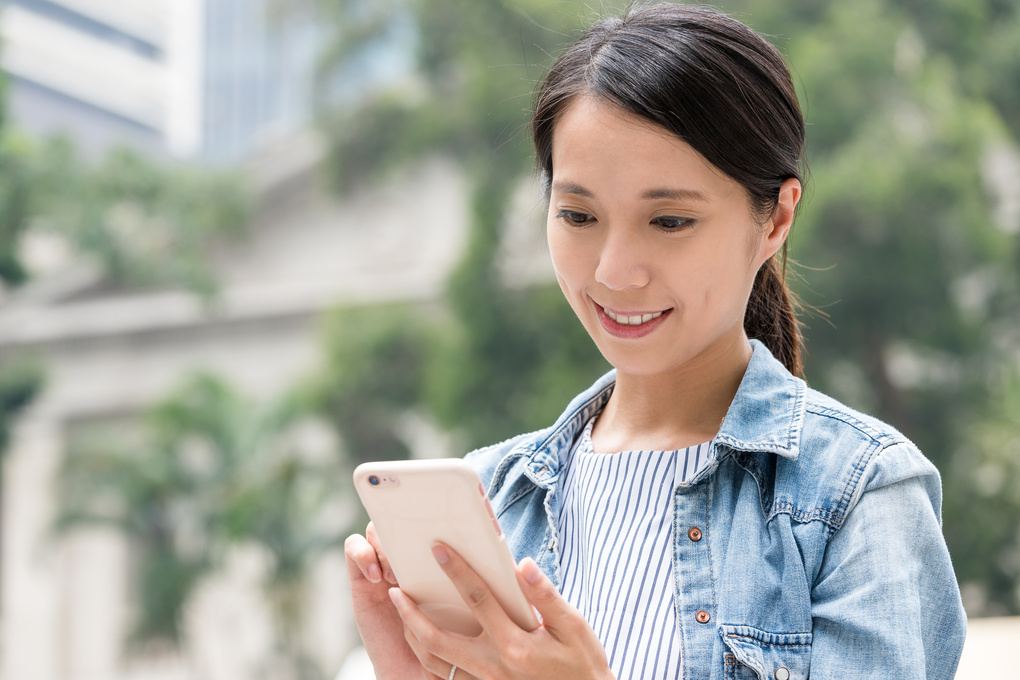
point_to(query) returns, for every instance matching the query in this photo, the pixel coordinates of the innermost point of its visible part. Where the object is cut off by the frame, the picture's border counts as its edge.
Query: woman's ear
(778, 226)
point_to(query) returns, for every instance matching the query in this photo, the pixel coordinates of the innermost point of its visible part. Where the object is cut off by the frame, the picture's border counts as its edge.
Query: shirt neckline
(585, 446)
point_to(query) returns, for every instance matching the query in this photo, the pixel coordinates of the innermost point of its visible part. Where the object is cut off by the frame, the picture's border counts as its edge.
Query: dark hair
(720, 87)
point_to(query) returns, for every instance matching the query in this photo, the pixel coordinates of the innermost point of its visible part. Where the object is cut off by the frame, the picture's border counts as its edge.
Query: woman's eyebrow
(571, 188)
(675, 194)
(667, 193)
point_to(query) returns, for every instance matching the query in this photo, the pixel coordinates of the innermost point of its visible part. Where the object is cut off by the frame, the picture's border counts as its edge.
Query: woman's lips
(630, 324)
(631, 319)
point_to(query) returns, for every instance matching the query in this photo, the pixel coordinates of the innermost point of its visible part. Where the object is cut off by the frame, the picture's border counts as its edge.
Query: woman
(699, 512)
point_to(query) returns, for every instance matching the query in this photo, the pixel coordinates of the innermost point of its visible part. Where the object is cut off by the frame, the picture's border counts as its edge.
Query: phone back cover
(440, 501)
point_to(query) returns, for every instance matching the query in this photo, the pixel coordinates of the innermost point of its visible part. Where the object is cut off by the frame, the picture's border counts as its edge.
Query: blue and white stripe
(615, 534)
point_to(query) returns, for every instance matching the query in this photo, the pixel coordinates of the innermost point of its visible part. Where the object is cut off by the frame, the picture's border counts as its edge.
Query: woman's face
(655, 249)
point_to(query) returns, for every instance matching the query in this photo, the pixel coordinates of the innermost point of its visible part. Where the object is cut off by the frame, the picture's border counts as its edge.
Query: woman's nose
(622, 263)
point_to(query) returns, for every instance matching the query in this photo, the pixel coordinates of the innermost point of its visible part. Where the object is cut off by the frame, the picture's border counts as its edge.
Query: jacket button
(694, 533)
(781, 674)
(703, 617)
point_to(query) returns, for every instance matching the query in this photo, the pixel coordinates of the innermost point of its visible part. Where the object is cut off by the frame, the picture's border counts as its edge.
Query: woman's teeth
(632, 320)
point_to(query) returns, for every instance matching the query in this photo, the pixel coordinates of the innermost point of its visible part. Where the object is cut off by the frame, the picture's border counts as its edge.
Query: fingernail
(395, 596)
(530, 571)
(374, 573)
(440, 553)
(391, 577)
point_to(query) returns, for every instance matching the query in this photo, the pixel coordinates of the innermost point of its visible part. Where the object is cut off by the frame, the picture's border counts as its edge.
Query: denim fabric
(821, 550)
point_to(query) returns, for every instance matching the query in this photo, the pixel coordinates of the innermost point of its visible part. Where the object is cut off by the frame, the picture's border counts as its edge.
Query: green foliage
(20, 380)
(904, 100)
(209, 470)
(146, 494)
(517, 372)
(490, 361)
(484, 381)
(145, 223)
(15, 191)
(470, 90)
(515, 348)
(898, 236)
(371, 145)
(374, 371)
(986, 476)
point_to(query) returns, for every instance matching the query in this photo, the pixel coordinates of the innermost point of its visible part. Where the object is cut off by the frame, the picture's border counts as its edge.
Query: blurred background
(248, 244)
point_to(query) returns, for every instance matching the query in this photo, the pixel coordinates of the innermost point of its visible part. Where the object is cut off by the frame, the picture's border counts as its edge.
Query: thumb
(557, 614)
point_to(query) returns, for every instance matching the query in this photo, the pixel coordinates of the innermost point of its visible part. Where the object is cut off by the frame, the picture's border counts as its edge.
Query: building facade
(210, 80)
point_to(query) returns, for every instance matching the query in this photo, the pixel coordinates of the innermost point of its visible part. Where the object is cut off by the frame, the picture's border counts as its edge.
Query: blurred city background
(247, 244)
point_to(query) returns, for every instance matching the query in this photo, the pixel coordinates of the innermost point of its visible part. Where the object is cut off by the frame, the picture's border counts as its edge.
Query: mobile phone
(417, 503)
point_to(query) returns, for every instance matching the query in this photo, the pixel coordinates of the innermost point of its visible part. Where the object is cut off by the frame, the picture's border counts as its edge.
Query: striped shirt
(615, 535)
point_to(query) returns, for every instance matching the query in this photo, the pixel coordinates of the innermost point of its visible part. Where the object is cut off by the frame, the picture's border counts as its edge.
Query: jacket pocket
(754, 654)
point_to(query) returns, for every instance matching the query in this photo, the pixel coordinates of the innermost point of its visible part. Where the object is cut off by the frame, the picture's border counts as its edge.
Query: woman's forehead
(598, 144)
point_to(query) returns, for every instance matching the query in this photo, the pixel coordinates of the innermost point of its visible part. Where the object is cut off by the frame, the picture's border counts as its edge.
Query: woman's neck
(674, 410)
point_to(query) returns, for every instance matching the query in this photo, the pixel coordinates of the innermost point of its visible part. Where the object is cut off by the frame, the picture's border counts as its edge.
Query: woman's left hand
(564, 646)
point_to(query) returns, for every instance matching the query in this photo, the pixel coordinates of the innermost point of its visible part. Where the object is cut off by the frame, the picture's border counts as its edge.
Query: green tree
(906, 102)
(986, 491)
(207, 470)
(19, 383)
(143, 222)
(503, 359)
(900, 237)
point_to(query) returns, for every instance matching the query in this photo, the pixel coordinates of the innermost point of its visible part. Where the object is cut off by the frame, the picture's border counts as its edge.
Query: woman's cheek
(561, 260)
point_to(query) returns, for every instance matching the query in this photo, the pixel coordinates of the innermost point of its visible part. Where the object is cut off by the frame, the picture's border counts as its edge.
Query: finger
(474, 591)
(373, 538)
(431, 665)
(421, 627)
(559, 617)
(434, 662)
(362, 559)
(434, 647)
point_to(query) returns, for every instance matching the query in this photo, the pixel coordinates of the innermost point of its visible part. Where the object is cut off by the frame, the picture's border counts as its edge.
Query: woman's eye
(575, 218)
(673, 223)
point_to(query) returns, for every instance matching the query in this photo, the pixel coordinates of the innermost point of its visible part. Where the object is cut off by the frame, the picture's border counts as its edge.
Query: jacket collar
(547, 454)
(766, 415)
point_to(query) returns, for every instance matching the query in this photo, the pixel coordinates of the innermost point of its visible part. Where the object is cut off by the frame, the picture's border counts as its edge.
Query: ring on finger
(453, 672)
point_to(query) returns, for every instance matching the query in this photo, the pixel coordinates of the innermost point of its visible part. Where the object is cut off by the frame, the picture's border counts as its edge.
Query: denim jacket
(819, 547)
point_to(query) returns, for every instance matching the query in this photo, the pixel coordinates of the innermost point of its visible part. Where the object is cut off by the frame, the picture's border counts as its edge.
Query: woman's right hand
(381, 628)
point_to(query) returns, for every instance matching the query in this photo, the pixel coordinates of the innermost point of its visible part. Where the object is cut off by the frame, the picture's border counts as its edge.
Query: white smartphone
(417, 503)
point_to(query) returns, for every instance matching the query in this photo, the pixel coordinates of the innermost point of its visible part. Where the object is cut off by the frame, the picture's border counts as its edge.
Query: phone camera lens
(373, 480)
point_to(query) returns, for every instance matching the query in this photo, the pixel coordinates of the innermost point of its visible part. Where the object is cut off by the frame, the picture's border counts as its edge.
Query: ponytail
(770, 315)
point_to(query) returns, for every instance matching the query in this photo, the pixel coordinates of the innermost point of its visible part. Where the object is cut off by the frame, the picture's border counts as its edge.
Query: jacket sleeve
(885, 603)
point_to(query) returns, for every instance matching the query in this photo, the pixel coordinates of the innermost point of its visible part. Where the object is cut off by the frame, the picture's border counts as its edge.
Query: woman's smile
(630, 324)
